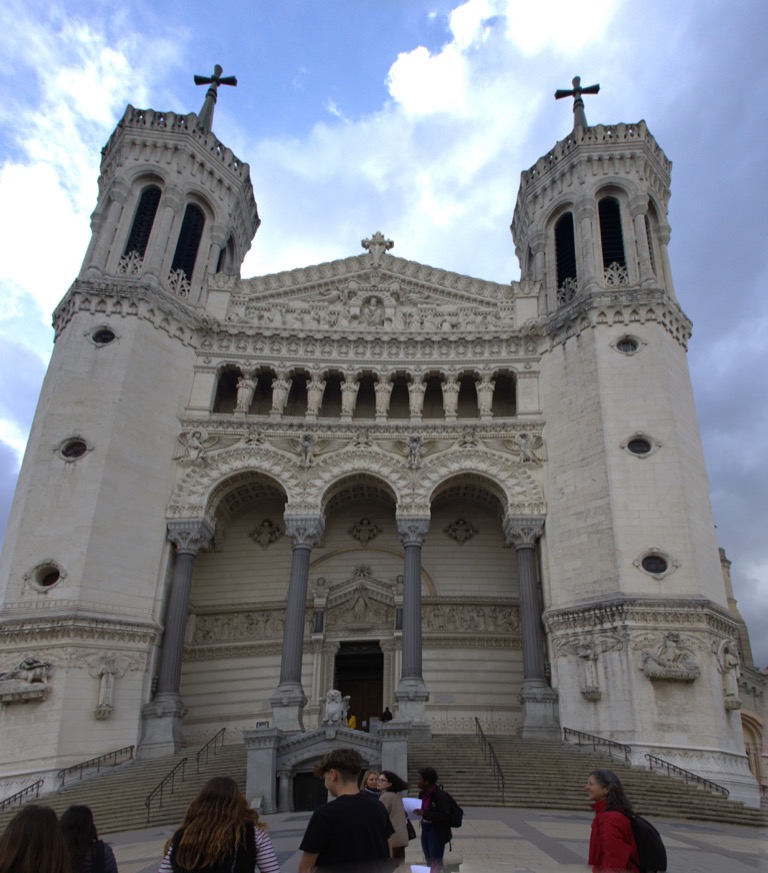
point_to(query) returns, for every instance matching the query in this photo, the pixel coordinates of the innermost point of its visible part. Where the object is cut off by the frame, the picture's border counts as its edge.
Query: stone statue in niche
(25, 682)
(485, 388)
(280, 388)
(246, 385)
(669, 660)
(335, 707)
(315, 390)
(416, 392)
(450, 390)
(349, 389)
(383, 395)
(728, 664)
(372, 312)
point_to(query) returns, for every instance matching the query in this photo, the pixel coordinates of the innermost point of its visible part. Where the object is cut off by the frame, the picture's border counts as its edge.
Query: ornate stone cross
(205, 118)
(579, 116)
(377, 245)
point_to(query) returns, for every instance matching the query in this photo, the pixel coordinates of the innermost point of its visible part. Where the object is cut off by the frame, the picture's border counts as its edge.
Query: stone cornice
(114, 298)
(55, 629)
(624, 307)
(639, 611)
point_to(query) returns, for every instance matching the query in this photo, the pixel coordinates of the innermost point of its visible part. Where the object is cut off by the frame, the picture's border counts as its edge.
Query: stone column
(412, 694)
(585, 214)
(451, 388)
(289, 700)
(162, 730)
(158, 254)
(261, 747)
(349, 389)
(637, 209)
(416, 391)
(664, 234)
(538, 245)
(383, 389)
(105, 228)
(539, 700)
(219, 237)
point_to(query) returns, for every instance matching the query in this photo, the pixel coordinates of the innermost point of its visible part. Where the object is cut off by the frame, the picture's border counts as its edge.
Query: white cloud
(424, 84)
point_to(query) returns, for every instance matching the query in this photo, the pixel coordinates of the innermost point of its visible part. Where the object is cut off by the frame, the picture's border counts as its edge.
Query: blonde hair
(214, 825)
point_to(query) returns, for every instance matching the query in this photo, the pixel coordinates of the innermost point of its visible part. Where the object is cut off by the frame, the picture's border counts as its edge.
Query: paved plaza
(509, 840)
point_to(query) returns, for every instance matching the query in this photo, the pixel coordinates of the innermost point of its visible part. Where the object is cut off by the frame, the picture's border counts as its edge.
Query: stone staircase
(542, 775)
(117, 795)
(538, 776)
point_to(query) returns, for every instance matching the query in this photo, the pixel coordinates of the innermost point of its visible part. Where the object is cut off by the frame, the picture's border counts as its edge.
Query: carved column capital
(304, 530)
(585, 209)
(190, 535)
(664, 234)
(173, 198)
(412, 529)
(538, 241)
(638, 205)
(120, 191)
(523, 531)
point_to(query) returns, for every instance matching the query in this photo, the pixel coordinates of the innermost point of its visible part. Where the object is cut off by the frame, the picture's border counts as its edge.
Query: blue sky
(413, 118)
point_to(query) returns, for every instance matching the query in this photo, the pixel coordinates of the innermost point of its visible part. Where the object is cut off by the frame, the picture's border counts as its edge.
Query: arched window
(504, 404)
(365, 405)
(189, 241)
(565, 259)
(612, 241)
(138, 238)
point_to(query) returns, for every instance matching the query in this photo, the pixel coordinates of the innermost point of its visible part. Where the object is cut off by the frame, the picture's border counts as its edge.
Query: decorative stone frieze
(670, 659)
(27, 681)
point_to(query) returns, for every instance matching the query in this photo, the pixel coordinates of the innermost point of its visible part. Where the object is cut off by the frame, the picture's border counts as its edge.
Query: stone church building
(453, 497)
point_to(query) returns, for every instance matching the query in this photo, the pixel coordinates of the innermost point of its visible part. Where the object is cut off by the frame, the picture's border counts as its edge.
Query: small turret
(175, 204)
(592, 213)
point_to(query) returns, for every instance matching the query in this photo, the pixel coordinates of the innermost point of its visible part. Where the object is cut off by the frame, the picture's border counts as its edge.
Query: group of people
(37, 841)
(364, 830)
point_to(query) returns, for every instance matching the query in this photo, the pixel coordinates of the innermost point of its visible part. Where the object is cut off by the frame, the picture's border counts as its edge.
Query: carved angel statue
(414, 448)
(728, 663)
(194, 446)
(307, 449)
(336, 707)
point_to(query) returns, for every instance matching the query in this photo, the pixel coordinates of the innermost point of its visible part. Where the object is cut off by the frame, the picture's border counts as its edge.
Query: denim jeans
(433, 846)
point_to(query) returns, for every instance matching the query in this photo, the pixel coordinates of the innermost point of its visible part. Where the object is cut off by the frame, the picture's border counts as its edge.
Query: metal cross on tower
(579, 116)
(205, 118)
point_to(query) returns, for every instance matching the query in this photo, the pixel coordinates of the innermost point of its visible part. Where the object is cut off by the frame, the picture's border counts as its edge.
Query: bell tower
(174, 204)
(635, 605)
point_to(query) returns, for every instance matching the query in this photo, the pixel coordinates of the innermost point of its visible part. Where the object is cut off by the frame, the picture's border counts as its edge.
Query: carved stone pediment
(360, 602)
(363, 293)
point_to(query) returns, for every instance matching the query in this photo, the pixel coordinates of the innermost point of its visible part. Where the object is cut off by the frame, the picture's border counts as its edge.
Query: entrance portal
(359, 672)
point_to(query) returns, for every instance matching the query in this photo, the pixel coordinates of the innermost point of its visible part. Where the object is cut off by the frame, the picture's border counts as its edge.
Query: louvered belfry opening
(611, 237)
(138, 239)
(565, 249)
(189, 241)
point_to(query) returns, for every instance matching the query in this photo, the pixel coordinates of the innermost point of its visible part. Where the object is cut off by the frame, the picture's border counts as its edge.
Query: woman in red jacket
(611, 842)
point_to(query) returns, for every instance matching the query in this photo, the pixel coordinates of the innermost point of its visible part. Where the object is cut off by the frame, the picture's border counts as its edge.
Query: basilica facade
(453, 497)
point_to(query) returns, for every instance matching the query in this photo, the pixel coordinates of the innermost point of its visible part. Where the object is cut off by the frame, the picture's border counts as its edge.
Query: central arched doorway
(359, 672)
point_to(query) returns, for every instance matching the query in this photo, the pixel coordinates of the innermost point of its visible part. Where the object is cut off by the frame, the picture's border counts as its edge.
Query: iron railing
(674, 770)
(110, 758)
(19, 796)
(598, 744)
(489, 754)
(213, 742)
(158, 790)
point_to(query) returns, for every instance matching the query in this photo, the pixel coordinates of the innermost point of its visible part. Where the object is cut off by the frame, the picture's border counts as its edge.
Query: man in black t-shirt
(349, 834)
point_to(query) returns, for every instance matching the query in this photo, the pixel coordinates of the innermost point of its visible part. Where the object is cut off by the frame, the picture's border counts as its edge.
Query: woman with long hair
(611, 842)
(369, 783)
(220, 832)
(87, 853)
(32, 843)
(391, 786)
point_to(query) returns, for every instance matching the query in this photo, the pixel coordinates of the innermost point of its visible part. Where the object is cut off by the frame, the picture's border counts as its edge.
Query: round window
(654, 564)
(46, 575)
(639, 446)
(102, 336)
(73, 449)
(628, 345)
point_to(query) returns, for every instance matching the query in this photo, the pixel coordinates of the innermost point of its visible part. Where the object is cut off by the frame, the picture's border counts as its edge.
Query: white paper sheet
(411, 804)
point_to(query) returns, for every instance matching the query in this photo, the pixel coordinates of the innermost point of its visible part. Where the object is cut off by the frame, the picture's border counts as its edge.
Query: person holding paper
(391, 786)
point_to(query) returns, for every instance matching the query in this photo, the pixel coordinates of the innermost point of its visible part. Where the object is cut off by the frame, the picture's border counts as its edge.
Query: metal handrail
(62, 774)
(491, 752)
(674, 770)
(597, 743)
(17, 797)
(206, 748)
(160, 787)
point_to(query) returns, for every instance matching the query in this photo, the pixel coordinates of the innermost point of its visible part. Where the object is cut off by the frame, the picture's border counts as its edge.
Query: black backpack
(650, 847)
(456, 812)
